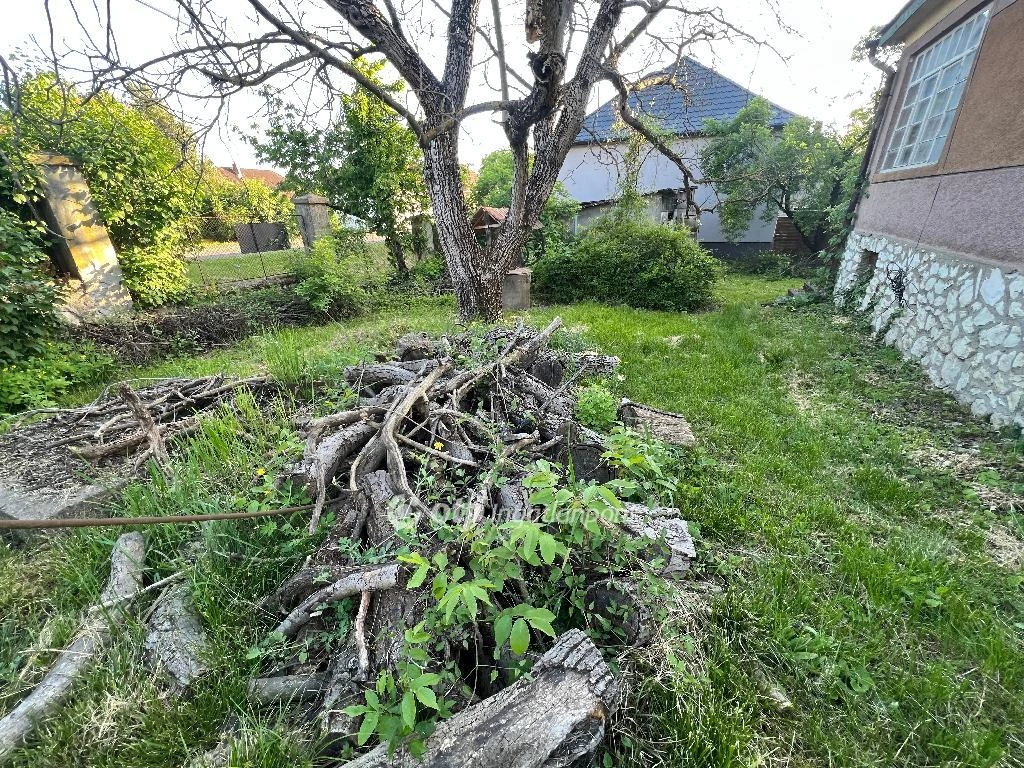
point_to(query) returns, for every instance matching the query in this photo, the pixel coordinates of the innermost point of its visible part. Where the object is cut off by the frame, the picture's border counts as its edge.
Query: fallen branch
(126, 568)
(373, 579)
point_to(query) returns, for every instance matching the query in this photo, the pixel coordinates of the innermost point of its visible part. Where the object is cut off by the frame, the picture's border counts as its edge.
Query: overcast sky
(817, 77)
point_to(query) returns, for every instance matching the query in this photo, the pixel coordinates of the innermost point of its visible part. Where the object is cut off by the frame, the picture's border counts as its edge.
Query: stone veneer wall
(963, 321)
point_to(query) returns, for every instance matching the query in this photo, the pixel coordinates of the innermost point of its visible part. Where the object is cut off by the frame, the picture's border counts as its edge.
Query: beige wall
(969, 202)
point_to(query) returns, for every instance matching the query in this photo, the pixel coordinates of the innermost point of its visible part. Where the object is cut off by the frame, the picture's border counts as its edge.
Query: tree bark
(554, 717)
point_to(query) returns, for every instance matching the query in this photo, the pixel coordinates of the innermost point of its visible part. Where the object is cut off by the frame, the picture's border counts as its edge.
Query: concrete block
(515, 290)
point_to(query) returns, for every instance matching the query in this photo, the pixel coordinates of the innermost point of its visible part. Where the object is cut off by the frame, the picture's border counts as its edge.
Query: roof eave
(891, 32)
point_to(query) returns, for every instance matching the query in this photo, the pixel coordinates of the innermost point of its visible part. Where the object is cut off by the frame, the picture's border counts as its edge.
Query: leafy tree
(436, 51)
(803, 170)
(142, 178)
(368, 163)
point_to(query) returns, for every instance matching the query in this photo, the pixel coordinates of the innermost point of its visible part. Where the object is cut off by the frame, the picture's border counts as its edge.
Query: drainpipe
(876, 126)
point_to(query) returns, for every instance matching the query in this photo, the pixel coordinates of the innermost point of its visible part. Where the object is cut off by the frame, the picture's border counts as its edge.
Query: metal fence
(221, 252)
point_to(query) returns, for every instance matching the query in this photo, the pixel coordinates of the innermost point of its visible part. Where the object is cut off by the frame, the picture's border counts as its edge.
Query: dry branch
(126, 568)
(371, 579)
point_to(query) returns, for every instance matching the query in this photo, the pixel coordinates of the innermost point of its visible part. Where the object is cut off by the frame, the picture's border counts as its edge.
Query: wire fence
(221, 252)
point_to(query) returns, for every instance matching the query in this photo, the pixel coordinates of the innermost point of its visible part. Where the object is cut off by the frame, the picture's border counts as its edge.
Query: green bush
(596, 408)
(27, 296)
(35, 382)
(625, 260)
(333, 275)
(154, 276)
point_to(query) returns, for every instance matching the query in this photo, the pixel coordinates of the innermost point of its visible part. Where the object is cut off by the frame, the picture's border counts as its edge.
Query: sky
(811, 73)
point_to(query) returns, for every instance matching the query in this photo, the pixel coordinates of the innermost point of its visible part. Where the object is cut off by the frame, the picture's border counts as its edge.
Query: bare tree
(223, 46)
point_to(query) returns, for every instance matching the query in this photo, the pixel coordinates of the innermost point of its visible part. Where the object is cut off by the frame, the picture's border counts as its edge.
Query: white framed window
(936, 83)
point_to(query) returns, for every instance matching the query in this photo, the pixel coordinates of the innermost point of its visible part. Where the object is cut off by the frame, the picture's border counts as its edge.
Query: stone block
(313, 212)
(84, 253)
(515, 290)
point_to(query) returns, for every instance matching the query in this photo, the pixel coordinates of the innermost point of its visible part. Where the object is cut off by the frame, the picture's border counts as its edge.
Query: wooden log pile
(437, 444)
(439, 415)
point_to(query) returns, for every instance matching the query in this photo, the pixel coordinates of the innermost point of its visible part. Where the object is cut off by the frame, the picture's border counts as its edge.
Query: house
(270, 177)
(487, 220)
(936, 254)
(596, 161)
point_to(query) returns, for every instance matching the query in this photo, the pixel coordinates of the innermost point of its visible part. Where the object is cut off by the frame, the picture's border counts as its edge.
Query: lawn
(248, 266)
(858, 598)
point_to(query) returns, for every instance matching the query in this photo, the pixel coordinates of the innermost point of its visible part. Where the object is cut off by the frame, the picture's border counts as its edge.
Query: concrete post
(314, 217)
(515, 290)
(84, 252)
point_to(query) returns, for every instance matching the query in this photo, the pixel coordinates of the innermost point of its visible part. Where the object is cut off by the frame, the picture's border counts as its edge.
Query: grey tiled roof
(705, 94)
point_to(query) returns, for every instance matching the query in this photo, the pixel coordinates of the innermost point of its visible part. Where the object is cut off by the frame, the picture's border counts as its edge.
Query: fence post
(314, 217)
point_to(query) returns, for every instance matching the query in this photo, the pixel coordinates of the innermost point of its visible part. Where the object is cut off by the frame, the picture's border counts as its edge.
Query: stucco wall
(592, 172)
(962, 320)
(969, 201)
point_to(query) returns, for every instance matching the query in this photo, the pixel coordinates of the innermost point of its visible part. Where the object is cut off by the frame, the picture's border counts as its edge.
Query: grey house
(937, 250)
(596, 161)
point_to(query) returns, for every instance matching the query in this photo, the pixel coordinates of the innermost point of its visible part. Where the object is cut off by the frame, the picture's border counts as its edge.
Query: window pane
(934, 87)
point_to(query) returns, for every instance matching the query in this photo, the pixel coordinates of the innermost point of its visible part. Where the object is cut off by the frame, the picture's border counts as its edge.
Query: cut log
(664, 425)
(176, 640)
(614, 607)
(376, 376)
(548, 368)
(555, 717)
(665, 526)
(126, 568)
(415, 346)
(287, 689)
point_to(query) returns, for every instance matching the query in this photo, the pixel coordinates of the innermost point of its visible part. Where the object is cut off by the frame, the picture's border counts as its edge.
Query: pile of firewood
(476, 424)
(125, 425)
(465, 414)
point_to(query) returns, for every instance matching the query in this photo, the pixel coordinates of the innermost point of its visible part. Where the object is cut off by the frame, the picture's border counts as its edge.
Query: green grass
(248, 266)
(859, 551)
(255, 266)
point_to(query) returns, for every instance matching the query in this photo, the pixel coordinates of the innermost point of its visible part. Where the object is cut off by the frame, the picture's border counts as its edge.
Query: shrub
(625, 260)
(329, 275)
(27, 296)
(154, 276)
(34, 383)
(596, 407)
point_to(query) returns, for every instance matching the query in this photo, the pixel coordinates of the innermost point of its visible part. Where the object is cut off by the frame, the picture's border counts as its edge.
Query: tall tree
(803, 170)
(367, 163)
(433, 47)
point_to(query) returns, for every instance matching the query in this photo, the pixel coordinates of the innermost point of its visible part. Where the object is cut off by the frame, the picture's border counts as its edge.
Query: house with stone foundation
(936, 254)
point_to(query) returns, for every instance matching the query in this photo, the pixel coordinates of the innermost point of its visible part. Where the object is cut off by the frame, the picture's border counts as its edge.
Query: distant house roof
(705, 94)
(269, 177)
(487, 217)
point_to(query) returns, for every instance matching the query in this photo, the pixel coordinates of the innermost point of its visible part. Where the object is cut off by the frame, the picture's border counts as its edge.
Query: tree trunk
(393, 242)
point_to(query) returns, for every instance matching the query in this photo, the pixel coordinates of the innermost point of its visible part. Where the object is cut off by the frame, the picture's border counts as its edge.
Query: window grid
(936, 83)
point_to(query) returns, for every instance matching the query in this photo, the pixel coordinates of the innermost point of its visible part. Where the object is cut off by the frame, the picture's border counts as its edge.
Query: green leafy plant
(36, 381)
(626, 260)
(328, 276)
(28, 297)
(596, 407)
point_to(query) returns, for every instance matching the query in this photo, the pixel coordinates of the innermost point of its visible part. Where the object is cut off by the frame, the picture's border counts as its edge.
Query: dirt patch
(1005, 548)
(980, 474)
